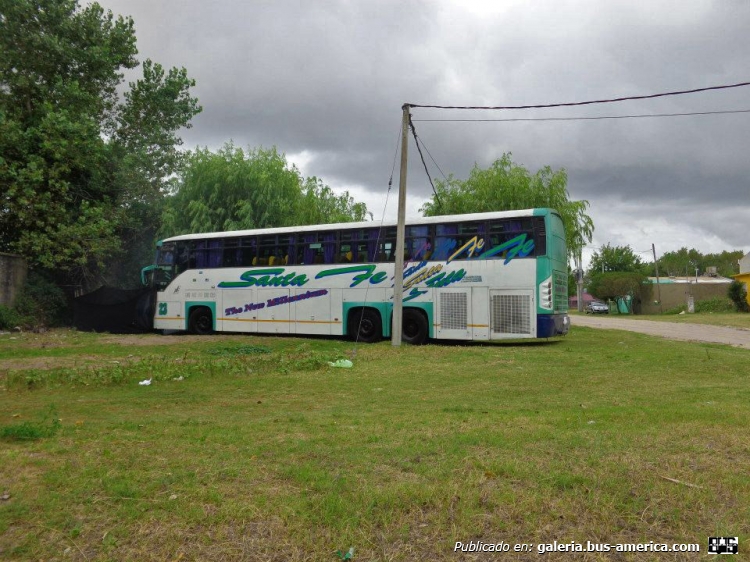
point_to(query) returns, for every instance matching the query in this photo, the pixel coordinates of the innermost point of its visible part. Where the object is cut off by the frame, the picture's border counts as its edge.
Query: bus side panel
(480, 318)
(453, 318)
(312, 315)
(274, 318)
(169, 315)
(337, 312)
(237, 312)
(512, 314)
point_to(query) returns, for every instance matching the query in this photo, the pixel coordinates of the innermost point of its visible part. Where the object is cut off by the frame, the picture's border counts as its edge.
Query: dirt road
(686, 332)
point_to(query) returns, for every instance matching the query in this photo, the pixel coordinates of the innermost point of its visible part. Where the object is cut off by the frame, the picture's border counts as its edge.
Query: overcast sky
(324, 82)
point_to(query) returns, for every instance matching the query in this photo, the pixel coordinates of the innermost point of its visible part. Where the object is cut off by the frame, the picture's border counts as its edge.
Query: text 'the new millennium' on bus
(483, 276)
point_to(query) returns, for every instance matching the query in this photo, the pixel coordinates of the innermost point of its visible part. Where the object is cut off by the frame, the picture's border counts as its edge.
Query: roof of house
(701, 280)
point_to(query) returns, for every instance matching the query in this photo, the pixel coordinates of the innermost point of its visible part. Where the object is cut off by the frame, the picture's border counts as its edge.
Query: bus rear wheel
(365, 326)
(201, 322)
(415, 328)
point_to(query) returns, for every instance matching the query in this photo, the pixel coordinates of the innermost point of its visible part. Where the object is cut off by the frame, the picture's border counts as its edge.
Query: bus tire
(201, 321)
(415, 327)
(365, 325)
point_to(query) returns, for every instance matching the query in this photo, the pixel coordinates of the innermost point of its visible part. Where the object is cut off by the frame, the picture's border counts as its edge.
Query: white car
(597, 307)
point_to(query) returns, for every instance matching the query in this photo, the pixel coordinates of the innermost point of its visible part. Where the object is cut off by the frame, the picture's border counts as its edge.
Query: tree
(506, 186)
(75, 161)
(233, 189)
(737, 293)
(615, 258)
(615, 285)
(684, 262)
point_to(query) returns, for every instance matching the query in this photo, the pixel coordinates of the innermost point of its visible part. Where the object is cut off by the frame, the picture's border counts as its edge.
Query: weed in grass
(231, 350)
(31, 431)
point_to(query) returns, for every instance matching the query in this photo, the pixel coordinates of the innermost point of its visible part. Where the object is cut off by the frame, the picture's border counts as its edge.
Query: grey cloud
(329, 79)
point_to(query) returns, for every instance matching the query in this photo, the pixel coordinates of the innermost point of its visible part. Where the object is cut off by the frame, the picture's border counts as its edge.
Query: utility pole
(658, 286)
(579, 281)
(398, 277)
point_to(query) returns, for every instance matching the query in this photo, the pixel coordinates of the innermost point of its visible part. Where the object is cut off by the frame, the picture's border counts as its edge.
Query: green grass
(274, 455)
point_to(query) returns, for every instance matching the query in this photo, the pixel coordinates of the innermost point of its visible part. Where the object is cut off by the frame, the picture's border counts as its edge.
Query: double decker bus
(482, 276)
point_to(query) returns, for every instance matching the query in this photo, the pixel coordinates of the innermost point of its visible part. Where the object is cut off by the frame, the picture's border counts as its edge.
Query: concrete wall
(676, 294)
(12, 277)
(745, 263)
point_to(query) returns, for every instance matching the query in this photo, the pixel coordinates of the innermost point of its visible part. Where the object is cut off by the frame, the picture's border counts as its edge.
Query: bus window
(311, 251)
(267, 252)
(329, 247)
(248, 251)
(215, 253)
(182, 257)
(347, 246)
(286, 249)
(540, 237)
(445, 241)
(418, 244)
(231, 252)
(502, 231)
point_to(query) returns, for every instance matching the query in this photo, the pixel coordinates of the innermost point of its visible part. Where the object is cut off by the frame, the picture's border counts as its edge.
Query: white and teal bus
(483, 276)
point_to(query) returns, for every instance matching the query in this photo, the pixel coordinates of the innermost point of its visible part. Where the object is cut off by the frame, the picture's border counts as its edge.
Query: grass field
(253, 448)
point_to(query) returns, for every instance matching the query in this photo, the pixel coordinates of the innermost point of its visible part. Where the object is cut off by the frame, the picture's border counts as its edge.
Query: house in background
(744, 275)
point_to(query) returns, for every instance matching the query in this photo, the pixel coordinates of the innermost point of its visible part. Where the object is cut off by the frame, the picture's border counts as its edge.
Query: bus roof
(367, 224)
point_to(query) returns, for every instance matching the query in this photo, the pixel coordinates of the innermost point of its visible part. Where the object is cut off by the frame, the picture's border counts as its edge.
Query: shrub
(738, 295)
(41, 303)
(717, 304)
(9, 318)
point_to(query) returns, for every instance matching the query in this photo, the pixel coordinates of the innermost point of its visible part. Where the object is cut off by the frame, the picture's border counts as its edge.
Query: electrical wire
(416, 140)
(591, 102)
(377, 240)
(596, 118)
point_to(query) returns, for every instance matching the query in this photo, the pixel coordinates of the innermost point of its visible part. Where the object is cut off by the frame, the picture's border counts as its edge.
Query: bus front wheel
(415, 328)
(201, 322)
(365, 326)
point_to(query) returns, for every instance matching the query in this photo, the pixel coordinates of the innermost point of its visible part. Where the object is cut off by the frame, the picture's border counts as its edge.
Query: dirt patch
(685, 332)
(158, 339)
(46, 363)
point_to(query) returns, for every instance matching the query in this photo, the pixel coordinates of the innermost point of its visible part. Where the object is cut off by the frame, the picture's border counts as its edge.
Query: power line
(598, 118)
(591, 102)
(416, 140)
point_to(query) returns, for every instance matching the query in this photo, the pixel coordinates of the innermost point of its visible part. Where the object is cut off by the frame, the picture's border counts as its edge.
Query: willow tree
(235, 189)
(506, 186)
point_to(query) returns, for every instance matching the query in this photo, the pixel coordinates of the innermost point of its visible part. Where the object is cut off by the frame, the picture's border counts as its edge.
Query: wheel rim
(411, 329)
(366, 328)
(203, 323)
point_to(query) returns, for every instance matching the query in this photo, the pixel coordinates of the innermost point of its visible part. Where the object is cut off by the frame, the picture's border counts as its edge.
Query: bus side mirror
(147, 275)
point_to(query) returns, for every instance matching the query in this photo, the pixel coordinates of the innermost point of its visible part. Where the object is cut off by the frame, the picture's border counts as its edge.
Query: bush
(718, 304)
(9, 318)
(738, 295)
(41, 303)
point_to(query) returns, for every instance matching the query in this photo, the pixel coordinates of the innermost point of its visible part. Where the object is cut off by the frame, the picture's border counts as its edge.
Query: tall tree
(685, 262)
(234, 189)
(507, 186)
(74, 160)
(615, 258)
